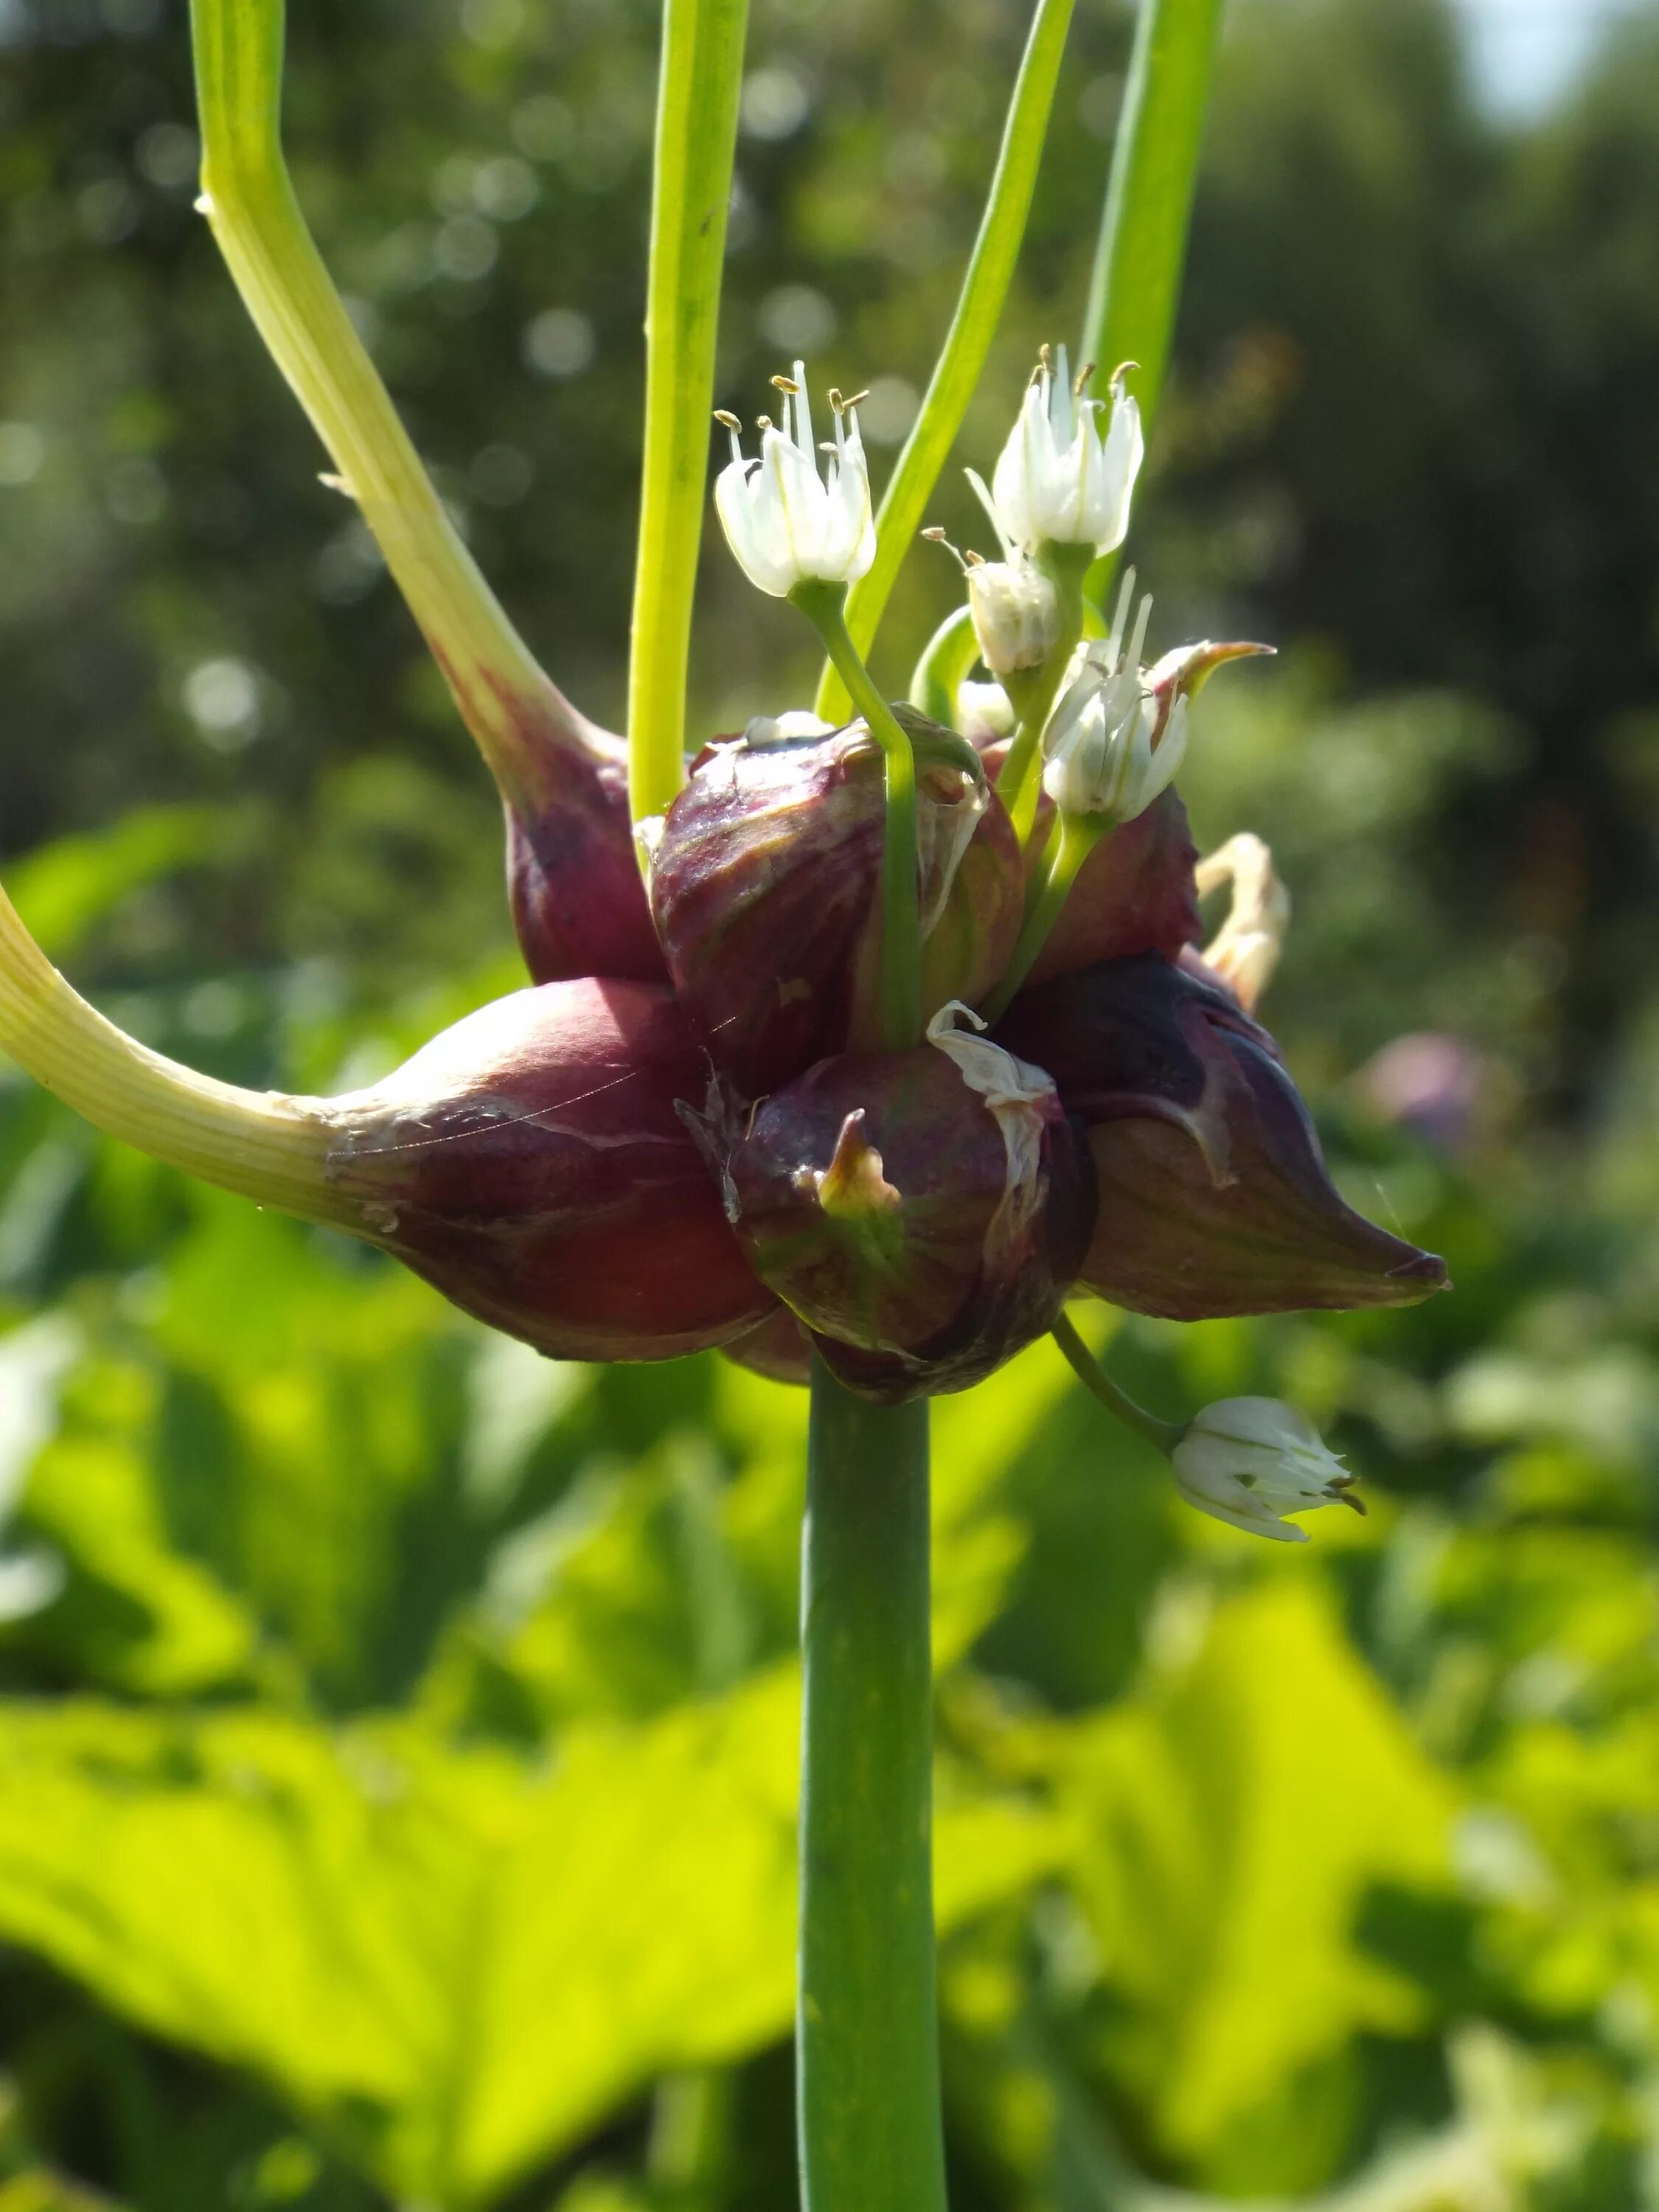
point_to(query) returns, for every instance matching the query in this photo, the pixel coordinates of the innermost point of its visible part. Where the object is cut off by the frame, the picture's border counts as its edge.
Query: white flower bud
(1016, 614)
(784, 523)
(1251, 1460)
(1099, 757)
(1059, 478)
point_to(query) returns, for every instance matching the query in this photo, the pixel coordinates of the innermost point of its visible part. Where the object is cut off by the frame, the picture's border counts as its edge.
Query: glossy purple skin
(1134, 893)
(952, 1281)
(1214, 1197)
(535, 1164)
(766, 890)
(573, 883)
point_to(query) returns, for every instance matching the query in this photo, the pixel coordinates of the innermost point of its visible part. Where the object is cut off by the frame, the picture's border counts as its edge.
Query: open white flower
(786, 524)
(1112, 745)
(1251, 1460)
(1061, 478)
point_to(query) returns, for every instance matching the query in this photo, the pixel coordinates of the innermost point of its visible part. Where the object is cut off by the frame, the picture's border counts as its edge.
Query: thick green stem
(1163, 1435)
(697, 139)
(901, 911)
(867, 2030)
(1136, 280)
(979, 308)
(1079, 836)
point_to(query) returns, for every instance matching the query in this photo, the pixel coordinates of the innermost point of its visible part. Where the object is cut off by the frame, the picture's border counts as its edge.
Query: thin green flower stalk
(504, 696)
(962, 359)
(697, 139)
(1135, 283)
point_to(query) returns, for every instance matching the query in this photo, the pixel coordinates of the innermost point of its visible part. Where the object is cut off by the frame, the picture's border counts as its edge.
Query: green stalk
(901, 912)
(504, 696)
(947, 658)
(1164, 1436)
(871, 2138)
(696, 141)
(979, 308)
(1079, 836)
(1033, 691)
(1136, 280)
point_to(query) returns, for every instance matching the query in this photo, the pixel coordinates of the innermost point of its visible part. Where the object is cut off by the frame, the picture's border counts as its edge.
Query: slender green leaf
(984, 288)
(1136, 280)
(696, 136)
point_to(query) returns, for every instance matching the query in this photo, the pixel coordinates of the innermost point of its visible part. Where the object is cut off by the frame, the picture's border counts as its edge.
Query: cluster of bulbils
(690, 1133)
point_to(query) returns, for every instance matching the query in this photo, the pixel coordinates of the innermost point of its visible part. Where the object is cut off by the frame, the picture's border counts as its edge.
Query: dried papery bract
(1214, 1196)
(765, 886)
(924, 1223)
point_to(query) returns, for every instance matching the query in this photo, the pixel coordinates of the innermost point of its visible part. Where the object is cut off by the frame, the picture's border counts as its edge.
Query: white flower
(1251, 1460)
(1059, 479)
(1016, 614)
(786, 525)
(1111, 745)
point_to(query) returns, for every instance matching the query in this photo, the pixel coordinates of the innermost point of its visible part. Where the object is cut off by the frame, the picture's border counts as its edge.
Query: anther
(726, 419)
(1124, 368)
(786, 384)
(1046, 360)
(857, 400)
(935, 536)
(1082, 379)
(762, 421)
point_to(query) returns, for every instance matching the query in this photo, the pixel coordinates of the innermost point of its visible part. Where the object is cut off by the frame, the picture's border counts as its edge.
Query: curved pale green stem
(868, 2031)
(697, 139)
(901, 916)
(1136, 280)
(267, 1147)
(1164, 1436)
(1079, 836)
(979, 307)
(506, 701)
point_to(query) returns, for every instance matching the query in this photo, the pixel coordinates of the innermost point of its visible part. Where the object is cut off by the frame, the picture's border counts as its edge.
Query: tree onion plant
(860, 1042)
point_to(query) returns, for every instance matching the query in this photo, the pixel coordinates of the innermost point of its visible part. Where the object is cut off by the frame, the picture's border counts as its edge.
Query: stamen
(784, 384)
(835, 399)
(1082, 377)
(1126, 592)
(1046, 360)
(1124, 368)
(857, 400)
(935, 536)
(972, 560)
(762, 421)
(726, 419)
(801, 408)
(1133, 658)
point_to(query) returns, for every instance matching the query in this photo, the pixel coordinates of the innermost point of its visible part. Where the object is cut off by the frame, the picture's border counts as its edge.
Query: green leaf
(453, 1962)
(65, 889)
(1136, 280)
(1230, 1819)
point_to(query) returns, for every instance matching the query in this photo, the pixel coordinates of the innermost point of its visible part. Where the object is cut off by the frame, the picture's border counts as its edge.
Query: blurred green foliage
(397, 1743)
